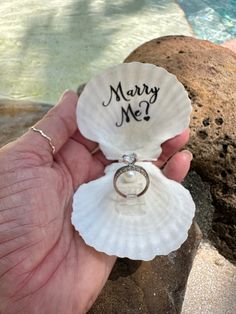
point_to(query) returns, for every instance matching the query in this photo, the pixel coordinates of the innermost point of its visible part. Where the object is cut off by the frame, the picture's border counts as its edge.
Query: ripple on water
(210, 19)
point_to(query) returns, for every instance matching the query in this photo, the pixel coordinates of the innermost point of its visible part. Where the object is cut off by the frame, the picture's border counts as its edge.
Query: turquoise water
(212, 20)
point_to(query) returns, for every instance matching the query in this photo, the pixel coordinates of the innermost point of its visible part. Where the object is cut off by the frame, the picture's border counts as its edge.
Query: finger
(79, 162)
(82, 166)
(90, 145)
(178, 166)
(100, 157)
(170, 147)
(59, 124)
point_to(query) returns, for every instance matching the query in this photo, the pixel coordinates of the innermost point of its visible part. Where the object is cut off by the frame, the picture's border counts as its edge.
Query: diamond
(129, 158)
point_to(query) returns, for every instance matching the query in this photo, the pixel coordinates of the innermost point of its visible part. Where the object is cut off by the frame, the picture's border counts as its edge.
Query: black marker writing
(141, 111)
(119, 94)
(146, 106)
(126, 113)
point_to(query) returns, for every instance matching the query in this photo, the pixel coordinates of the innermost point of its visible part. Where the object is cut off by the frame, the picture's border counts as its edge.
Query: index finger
(59, 124)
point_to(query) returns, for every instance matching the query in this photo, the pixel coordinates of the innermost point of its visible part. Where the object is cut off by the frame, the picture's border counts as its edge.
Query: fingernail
(188, 153)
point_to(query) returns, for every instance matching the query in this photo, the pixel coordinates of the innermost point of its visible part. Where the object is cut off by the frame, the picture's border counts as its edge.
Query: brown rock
(208, 72)
(17, 116)
(151, 287)
(230, 44)
(201, 195)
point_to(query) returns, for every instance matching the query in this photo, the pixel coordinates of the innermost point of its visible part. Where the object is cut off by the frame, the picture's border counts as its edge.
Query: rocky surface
(200, 192)
(230, 44)
(17, 116)
(208, 72)
(211, 285)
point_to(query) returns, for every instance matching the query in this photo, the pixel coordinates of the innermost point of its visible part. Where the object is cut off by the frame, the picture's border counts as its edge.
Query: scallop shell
(156, 226)
(133, 108)
(161, 112)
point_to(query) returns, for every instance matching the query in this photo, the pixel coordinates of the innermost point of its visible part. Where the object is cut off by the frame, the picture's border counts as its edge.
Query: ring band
(45, 136)
(130, 159)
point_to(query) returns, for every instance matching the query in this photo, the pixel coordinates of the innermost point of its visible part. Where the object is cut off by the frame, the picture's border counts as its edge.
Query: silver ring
(130, 159)
(45, 136)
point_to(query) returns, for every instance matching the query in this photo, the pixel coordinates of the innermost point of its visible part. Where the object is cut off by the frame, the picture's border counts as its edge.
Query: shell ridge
(124, 244)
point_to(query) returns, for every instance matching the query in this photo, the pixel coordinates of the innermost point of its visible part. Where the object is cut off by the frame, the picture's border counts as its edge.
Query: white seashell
(132, 109)
(156, 226)
(162, 111)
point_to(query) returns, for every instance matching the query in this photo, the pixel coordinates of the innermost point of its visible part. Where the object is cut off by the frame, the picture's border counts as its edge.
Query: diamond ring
(130, 170)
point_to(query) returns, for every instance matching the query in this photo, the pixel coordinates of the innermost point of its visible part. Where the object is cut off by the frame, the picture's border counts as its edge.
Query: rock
(201, 194)
(230, 44)
(208, 72)
(17, 116)
(80, 89)
(211, 286)
(151, 287)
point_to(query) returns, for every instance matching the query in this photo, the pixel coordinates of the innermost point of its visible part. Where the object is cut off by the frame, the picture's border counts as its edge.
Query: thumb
(178, 166)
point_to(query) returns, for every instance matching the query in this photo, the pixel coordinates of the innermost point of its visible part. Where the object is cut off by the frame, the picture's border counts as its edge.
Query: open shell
(156, 226)
(133, 108)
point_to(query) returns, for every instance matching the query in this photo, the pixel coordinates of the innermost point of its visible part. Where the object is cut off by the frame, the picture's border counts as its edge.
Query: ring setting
(130, 171)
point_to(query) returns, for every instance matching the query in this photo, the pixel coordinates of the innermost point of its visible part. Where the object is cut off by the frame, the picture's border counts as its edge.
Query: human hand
(45, 266)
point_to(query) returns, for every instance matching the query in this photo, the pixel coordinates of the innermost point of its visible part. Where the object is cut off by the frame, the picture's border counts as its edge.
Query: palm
(45, 267)
(49, 238)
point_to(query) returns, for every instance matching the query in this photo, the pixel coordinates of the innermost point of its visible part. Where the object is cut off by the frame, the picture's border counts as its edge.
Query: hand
(45, 266)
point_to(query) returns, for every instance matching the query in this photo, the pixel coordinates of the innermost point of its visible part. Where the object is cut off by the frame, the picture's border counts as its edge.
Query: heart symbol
(146, 118)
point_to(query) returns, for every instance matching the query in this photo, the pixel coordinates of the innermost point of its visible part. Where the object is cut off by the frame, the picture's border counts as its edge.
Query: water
(48, 46)
(210, 19)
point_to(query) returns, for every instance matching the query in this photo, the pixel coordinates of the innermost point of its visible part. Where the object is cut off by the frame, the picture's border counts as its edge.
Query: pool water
(49, 46)
(211, 19)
